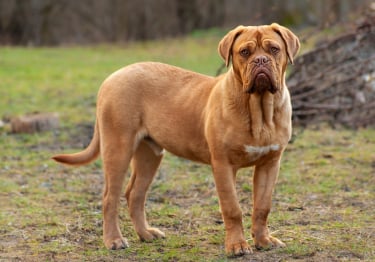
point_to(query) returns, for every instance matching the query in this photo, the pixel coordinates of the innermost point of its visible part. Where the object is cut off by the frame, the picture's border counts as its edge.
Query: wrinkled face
(259, 56)
(259, 60)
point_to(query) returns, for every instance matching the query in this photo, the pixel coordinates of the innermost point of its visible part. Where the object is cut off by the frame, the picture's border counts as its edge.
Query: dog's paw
(117, 243)
(238, 249)
(150, 234)
(268, 242)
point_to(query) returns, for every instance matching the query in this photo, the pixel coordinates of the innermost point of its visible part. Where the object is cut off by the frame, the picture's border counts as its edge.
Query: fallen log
(32, 123)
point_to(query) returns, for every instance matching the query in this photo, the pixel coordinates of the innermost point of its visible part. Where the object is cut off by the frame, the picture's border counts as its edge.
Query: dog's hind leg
(144, 164)
(116, 150)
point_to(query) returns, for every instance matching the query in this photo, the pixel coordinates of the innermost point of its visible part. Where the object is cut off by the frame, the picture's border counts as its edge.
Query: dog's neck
(261, 113)
(259, 110)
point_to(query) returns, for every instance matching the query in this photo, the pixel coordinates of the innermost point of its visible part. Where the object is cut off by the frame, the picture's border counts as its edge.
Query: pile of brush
(335, 82)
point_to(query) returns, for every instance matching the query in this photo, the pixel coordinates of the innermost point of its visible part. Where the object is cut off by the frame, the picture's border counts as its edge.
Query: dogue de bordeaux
(239, 119)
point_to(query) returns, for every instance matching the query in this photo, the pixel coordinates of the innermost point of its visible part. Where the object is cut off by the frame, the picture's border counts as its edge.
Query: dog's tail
(89, 154)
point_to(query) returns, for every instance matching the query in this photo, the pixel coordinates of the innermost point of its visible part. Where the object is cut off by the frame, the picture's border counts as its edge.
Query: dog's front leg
(235, 243)
(265, 177)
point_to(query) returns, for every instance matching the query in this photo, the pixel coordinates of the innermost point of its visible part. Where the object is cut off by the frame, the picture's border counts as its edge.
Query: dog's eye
(245, 52)
(274, 50)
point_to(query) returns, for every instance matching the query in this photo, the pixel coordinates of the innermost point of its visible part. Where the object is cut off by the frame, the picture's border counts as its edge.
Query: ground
(323, 205)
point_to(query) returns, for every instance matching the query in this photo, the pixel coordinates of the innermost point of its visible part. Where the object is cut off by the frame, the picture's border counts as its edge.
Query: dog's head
(259, 55)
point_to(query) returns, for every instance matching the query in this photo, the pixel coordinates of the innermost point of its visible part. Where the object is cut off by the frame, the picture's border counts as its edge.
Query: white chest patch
(256, 152)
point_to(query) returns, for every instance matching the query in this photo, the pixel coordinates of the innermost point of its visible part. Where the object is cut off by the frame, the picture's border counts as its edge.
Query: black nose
(261, 60)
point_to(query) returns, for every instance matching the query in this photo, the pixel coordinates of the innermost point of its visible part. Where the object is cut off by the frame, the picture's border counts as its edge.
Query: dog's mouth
(261, 82)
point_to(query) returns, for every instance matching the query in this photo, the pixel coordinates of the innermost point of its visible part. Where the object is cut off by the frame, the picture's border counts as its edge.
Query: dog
(239, 119)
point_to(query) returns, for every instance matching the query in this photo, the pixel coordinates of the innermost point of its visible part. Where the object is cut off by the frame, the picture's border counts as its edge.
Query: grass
(323, 203)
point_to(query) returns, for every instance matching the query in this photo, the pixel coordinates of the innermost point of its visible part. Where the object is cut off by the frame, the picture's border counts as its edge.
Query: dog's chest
(247, 151)
(246, 155)
(256, 152)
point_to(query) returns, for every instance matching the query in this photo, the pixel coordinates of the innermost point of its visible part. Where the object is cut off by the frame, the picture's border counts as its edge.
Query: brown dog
(239, 119)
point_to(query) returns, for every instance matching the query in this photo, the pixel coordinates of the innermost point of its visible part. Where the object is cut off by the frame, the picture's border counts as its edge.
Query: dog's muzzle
(261, 79)
(261, 82)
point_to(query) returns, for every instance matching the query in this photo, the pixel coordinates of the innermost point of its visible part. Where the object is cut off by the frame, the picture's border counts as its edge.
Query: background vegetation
(48, 22)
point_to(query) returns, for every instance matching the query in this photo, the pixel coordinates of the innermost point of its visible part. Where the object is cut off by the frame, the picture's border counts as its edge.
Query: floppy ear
(225, 45)
(291, 40)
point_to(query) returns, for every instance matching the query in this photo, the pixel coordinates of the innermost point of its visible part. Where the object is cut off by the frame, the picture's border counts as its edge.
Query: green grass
(323, 205)
(36, 79)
